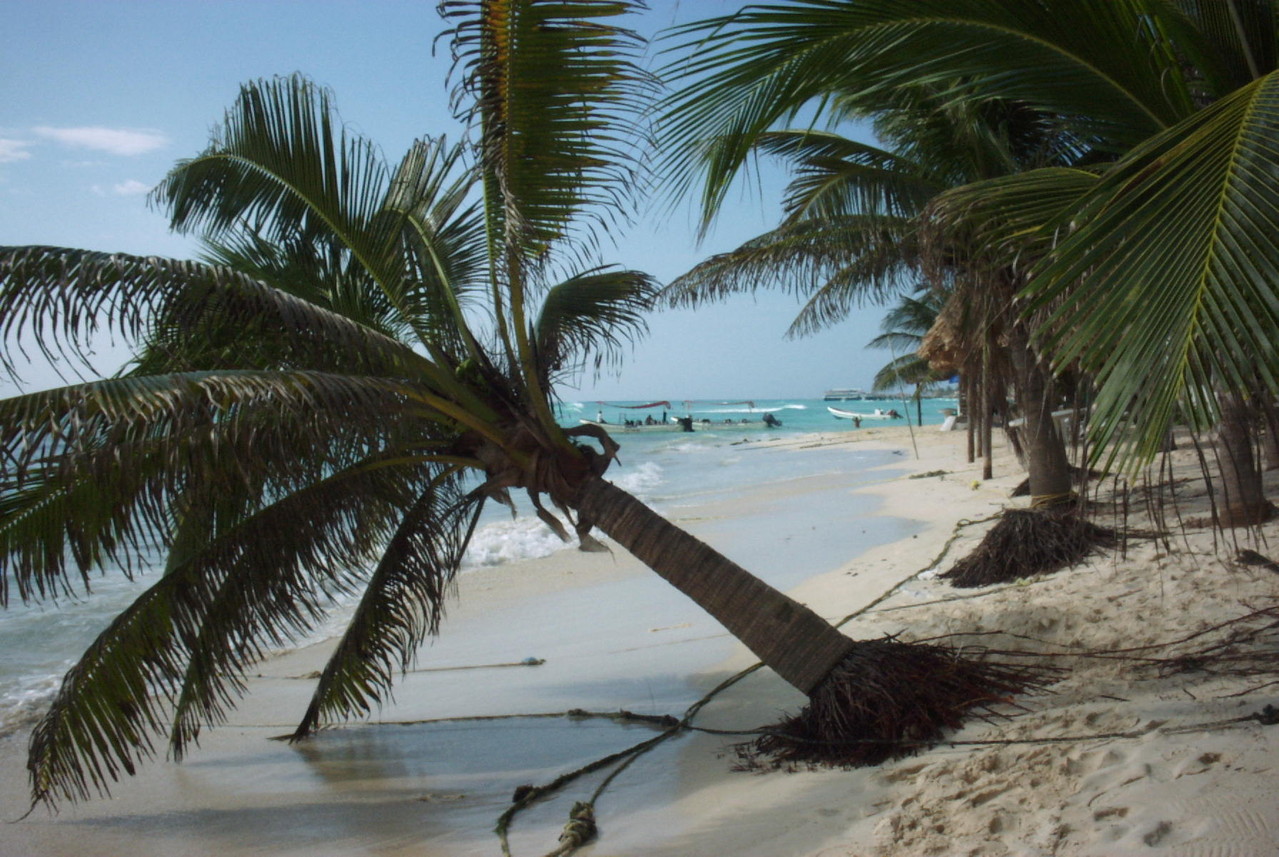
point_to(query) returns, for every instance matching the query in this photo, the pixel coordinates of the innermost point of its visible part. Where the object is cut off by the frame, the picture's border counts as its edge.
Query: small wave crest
(640, 480)
(25, 699)
(525, 537)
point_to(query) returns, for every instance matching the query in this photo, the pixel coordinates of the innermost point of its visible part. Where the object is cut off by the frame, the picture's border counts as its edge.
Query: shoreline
(614, 636)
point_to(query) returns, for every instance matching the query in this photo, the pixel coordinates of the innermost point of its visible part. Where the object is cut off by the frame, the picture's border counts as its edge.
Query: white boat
(630, 426)
(877, 414)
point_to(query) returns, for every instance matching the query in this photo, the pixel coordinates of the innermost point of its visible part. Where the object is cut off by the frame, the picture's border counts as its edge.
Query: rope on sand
(527, 795)
(1268, 716)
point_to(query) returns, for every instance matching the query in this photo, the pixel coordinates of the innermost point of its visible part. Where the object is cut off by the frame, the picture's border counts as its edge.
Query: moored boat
(877, 414)
(845, 394)
(671, 425)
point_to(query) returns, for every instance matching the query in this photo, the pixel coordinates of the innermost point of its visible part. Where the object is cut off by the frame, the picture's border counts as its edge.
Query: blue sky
(98, 99)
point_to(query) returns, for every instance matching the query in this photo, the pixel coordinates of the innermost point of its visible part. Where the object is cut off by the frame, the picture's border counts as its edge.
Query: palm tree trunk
(1243, 497)
(791, 639)
(1045, 452)
(868, 700)
(987, 414)
(1271, 437)
(966, 402)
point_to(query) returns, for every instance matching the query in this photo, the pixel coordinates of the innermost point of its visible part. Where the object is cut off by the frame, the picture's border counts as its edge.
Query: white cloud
(117, 141)
(132, 187)
(13, 150)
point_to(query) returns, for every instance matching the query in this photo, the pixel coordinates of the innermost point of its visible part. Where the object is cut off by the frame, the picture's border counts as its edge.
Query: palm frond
(840, 262)
(834, 176)
(273, 585)
(557, 94)
(256, 582)
(1012, 220)
(446, 248)
(102, 468)
(186, 312)
(403, 602)
(909, 319)
(742, 74)
(282, 167)
(591, 317)
(1166, 287)
(905, 369)
(1236, 41)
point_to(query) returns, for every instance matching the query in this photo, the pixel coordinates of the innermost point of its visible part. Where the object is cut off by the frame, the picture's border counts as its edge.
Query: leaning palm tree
(322, 406)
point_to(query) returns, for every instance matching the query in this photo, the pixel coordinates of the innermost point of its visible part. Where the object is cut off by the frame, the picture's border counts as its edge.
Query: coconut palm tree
(903, 330)
(858, 224)
(323, 405)
(1179, 222)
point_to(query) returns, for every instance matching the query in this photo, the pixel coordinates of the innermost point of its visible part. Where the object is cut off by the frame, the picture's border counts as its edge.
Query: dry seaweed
(1026, 543)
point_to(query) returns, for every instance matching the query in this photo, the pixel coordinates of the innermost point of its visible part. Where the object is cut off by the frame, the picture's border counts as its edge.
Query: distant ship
(845, 394)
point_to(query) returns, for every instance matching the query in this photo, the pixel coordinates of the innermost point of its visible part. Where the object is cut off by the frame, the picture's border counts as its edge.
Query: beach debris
(1025, 543)
(890, 698)
(580, 828)
(1251, 557)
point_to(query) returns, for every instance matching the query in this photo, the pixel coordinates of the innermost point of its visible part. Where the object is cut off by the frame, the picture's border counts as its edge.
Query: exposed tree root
(890, 698)
(1025, 543)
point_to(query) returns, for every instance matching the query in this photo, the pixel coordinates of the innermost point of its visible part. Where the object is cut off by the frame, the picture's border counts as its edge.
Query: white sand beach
(1121, 756)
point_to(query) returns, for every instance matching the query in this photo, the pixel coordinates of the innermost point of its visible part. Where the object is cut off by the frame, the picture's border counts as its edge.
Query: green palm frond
(591, 318)
(283, 168)
(1103, 63)
(281, 164)
(833, 264)
(1235, 44)
(256, 583)
(556, 93)
(272, 586)
(1012, 220)
(402, 603)
(445, 244)
(909, 318)
(906, 369)
(833, 176)
(60, 297)
(99, 467)
(1166, 287)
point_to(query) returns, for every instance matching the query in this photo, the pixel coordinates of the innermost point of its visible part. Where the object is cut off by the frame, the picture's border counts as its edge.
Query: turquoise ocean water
(670, 471)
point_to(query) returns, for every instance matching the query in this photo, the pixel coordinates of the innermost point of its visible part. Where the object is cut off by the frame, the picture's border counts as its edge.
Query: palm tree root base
(889, 698)
(1078, 477)
(1026, 543)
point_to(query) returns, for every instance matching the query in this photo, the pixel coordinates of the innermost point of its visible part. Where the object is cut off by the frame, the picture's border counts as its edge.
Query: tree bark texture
(1243, 502)
(787, 636)
(1046, 459)
(1270, 437)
